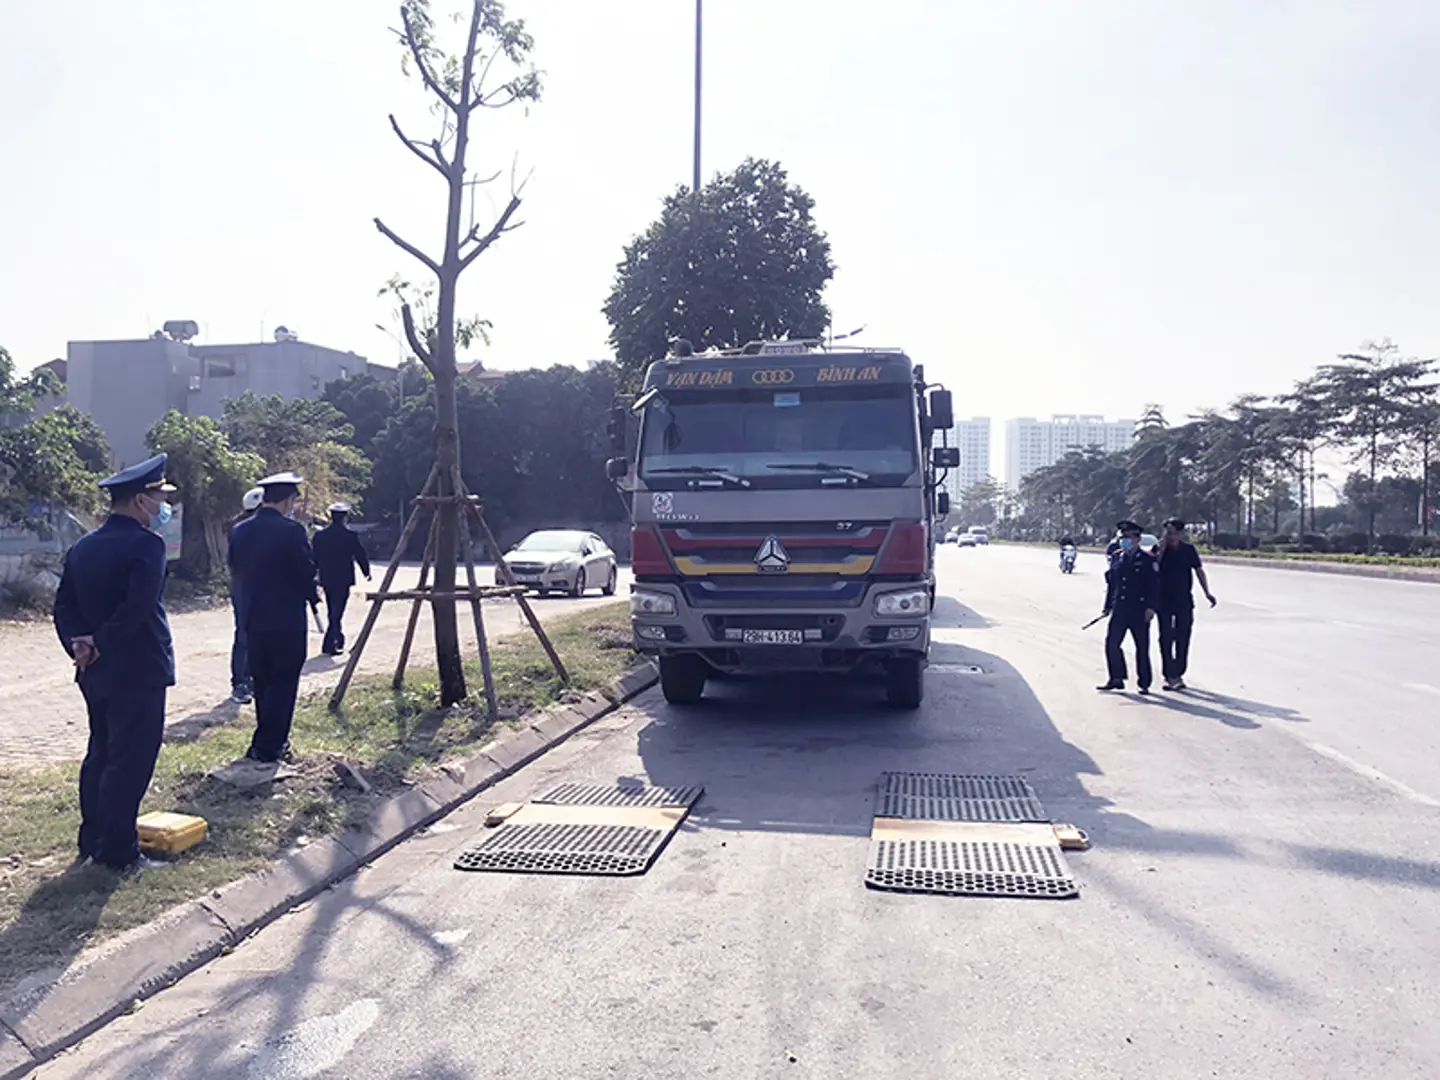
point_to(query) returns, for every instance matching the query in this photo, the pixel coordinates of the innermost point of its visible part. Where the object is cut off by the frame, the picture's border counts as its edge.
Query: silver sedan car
(562, 560)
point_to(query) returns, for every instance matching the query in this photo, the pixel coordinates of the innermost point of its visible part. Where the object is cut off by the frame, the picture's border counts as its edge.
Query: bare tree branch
(406, 246)
(416, 345)
(501, 226)
(425, 73)
(468, 66)
(438, 162)
(480, 83)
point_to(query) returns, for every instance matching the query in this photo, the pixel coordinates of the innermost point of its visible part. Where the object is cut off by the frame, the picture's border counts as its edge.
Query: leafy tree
(1368, 402)
(742, 261)
(311, 437)
(532, 446)
(369, 402)
(979, 503)
(18, 395)
(459, 85)
(57, 458)
(211, 478)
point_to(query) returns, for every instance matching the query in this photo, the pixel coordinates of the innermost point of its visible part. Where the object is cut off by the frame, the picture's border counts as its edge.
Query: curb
(1313, 566)
(1316, 566)
(38, 1024)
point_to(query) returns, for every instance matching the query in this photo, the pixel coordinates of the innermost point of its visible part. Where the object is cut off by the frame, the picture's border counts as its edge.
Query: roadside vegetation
(391, 739)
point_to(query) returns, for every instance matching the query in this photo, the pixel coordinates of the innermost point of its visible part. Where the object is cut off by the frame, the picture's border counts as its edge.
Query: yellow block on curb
(170, 833)
(1071, 838)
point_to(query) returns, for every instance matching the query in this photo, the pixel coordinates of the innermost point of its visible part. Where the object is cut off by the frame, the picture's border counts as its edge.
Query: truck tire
(905, 683)
(682, 679)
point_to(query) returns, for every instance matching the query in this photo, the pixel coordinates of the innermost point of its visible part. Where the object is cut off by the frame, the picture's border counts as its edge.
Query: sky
(1055, 206)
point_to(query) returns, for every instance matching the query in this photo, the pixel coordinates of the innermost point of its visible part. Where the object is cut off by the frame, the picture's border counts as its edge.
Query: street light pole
(695, 185)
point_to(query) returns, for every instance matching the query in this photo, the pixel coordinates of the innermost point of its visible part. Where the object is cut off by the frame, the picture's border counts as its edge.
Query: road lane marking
(1424, 688)
(315, 1045)
(1398, 787)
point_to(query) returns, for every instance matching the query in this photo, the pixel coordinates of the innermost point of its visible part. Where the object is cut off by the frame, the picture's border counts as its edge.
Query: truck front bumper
(768, 637)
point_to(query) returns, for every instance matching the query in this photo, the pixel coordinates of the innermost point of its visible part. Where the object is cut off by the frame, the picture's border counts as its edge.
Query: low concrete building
(128, 385)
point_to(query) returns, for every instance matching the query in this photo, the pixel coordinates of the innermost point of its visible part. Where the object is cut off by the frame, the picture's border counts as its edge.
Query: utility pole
(695, 186)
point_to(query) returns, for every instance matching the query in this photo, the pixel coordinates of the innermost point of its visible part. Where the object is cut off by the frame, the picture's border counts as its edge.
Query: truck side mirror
(945, 457)
(615, 428)
(942, 505)
(616, 468)
(942, 410)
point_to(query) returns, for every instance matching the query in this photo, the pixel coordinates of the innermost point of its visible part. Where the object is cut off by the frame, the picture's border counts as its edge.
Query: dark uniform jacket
(271, 557)
(113, 589)
(1132, 584)
(337, 550)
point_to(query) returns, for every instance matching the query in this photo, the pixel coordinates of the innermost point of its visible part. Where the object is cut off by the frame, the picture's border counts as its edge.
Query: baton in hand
(1093, 621)
(315, 615)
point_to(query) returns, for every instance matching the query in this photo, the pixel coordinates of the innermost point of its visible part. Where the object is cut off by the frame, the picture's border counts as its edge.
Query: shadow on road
(950, 613)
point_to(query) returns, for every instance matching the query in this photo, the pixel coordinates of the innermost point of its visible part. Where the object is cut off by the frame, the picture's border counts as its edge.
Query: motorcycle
(1067, 559)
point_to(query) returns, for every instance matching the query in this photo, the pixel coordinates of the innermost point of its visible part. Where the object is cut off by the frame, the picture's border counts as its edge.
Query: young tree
(743, 261)
(1368, 402)
(460, 85)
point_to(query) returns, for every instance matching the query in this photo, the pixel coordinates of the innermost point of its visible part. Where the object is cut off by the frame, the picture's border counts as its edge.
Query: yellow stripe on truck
(860, 564)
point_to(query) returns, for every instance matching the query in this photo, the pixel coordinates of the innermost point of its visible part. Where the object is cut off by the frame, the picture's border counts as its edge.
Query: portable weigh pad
(611, 830)
(942, 797)
(968, 859)
(964, 835)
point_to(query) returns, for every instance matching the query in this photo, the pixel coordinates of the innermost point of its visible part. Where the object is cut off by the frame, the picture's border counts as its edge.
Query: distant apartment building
(973, 438)
(128, 385)
(1032, 444)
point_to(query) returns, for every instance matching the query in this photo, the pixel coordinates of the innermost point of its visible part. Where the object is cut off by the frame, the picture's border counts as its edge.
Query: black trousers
(1176, 625)
(126, 728)
(1134, 624)
(336, 597)
(275, 663)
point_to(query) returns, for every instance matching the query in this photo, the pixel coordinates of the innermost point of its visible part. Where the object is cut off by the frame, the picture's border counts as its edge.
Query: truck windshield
(795, 439)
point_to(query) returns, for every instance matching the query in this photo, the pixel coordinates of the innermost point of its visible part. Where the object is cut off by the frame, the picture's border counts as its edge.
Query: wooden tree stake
(404, 659)
(374, 613)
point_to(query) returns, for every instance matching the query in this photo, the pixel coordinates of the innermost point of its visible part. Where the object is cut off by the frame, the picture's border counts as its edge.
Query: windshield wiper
(825, 467)
(702, 470)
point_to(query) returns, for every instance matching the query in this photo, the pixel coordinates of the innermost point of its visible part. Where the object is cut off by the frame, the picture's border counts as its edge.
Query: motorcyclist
(1067, 553)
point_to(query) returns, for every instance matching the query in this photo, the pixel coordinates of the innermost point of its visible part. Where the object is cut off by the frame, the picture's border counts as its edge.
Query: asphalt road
(1261, 899)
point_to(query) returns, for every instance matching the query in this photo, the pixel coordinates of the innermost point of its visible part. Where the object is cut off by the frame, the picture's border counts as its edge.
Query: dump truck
(785, 500)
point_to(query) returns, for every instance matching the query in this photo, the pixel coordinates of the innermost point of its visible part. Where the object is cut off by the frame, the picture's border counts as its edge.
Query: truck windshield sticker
(786, 401)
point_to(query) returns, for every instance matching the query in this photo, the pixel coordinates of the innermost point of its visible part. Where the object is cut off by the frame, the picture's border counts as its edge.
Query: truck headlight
(911, 602)
(651, 603)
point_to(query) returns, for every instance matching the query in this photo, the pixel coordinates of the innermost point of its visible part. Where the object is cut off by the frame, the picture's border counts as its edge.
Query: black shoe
(1113, 684)
(1144, 691)
(242, 695)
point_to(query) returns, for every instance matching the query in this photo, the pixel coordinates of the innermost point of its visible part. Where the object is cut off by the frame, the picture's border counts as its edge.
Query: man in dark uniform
(110, 617)
(1178, 561)
(271, 556)
(1132, 594)
(337, 551)
(241, 689)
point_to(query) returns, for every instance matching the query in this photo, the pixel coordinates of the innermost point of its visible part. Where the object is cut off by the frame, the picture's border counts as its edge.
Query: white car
(562, 560)
(967, 539)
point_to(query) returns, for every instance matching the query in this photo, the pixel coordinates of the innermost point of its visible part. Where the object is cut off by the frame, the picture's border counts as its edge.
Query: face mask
(163, 513)
(1127, 544)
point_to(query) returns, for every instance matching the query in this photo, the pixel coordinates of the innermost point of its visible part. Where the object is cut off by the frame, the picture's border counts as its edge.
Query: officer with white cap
(241, 690)
(110, 617)
(271, 556)
(337, 551)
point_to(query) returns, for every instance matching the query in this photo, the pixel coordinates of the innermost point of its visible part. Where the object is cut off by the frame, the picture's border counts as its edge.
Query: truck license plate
(774, 637)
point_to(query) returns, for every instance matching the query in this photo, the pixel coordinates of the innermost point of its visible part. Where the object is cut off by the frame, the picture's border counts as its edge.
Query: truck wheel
(682, 679)
(905, 683)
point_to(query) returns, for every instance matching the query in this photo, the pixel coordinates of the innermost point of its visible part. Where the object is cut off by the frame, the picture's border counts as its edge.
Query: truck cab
(786, 502)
